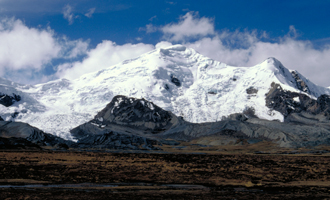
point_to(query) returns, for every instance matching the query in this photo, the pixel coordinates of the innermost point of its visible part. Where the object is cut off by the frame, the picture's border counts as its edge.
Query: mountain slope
(21, 135)
(128, 123)
(177, 79)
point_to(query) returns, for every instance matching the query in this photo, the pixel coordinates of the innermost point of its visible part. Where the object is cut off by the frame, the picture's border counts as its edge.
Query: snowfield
(176, 78)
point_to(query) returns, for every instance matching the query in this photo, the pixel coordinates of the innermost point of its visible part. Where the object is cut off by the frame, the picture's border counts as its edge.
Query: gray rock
(31, 134)
(8, 100)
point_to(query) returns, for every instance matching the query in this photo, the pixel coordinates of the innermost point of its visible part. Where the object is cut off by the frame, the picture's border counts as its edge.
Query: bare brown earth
(203, 173)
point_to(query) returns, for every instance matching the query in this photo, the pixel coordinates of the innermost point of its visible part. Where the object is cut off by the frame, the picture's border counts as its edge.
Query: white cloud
(28, 76)
(22, 47)
(90, 12)
(215, 49)
(67, 14)
(149, 28)
(299, 55)
(73, 48)
(153, 17)
(138, 38)
(163, 44)
(104, 55)
(294, 54)
(292, 32)
(190, 26)
(248, 48)
(29, 50)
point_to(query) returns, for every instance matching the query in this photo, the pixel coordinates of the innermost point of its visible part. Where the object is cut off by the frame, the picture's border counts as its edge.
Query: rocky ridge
(128, 121)
(21, 135)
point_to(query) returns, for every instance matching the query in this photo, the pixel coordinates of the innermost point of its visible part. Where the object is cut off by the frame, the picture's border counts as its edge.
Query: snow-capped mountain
(178, 79)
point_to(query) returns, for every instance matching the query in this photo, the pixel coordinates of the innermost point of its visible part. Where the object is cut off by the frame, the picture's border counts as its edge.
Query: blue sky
(44, 40)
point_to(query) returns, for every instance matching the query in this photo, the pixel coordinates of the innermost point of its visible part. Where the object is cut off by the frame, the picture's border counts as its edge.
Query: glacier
(177, 79)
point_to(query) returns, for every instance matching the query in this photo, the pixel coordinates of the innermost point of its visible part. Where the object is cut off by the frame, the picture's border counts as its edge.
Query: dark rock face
(125, 123)
(17, 143)
(14, 115)
(113, 140)
(238, 117)
(283, 101)
(211, 92)
(321, 105)
(301, 85)
(137, 113)
(90, 136)
(30, 134)
(249, 112)
(45, 139)
(287, 102)
(175, 80)
(8, 100)
(251, 90)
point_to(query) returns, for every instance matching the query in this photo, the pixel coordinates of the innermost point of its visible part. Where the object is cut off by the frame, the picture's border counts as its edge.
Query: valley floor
(96, 175)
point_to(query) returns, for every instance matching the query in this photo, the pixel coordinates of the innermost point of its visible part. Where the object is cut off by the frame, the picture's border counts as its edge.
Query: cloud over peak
(190, 26)
(34, 49)
(248, 47)
(104, 55)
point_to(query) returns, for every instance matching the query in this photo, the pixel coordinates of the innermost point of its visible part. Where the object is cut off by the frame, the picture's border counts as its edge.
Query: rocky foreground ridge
(306, 122)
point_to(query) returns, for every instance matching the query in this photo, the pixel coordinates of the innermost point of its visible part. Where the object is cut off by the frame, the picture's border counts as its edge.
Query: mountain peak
(176, 47)
(274, 65)
(273, 61)
(178, 51)
(176, 78)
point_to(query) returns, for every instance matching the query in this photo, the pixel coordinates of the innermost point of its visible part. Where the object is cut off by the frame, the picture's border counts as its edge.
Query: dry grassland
(165, 176)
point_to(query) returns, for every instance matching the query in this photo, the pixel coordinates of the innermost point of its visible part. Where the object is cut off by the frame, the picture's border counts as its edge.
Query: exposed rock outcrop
(301, 85)
(17, 143)
(113, 140)
(8, 100)
(287, 102)
(251, 90)
(30, 135)
(175, 80)
(135, 113)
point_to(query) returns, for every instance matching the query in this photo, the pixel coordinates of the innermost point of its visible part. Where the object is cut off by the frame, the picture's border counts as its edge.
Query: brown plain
(228, 174)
